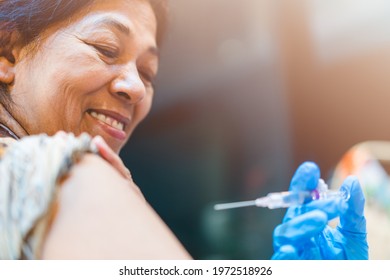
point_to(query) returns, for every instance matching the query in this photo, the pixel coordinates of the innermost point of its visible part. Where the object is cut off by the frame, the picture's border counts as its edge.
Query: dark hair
(31, 17)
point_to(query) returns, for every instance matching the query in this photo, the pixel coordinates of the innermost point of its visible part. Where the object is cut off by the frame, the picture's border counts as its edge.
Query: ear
(7, 74)
(9, 50)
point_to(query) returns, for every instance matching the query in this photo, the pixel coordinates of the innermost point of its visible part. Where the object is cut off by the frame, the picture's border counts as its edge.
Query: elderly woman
(85, 67)
(76, 66)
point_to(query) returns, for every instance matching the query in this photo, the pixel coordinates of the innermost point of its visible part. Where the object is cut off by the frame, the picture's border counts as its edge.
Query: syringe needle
(224, 206)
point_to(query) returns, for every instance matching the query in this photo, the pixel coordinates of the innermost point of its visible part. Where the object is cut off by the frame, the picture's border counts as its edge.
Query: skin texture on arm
(101, 215)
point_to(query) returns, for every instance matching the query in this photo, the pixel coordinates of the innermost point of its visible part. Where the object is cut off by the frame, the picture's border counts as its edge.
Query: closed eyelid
(146, 74)
(147, 77)
(101, 44)
(150, 61)
(99, 38)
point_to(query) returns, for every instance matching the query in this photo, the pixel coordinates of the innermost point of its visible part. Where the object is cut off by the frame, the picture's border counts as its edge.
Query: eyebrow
(111, 22)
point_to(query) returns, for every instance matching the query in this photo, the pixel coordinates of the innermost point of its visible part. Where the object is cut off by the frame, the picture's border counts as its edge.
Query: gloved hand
(304, 233)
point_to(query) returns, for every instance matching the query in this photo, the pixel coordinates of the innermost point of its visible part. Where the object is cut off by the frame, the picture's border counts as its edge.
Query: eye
(147, 77)
(108, 52)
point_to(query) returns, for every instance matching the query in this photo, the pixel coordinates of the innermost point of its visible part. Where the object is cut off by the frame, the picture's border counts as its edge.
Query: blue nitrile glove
(304, 233)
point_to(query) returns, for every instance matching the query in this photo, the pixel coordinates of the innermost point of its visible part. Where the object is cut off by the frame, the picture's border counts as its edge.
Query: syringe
(289, 198)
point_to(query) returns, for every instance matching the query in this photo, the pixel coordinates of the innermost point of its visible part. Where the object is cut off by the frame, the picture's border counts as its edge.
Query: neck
(10, 125)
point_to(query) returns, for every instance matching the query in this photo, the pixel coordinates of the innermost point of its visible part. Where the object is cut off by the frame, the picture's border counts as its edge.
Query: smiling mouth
(107, 120)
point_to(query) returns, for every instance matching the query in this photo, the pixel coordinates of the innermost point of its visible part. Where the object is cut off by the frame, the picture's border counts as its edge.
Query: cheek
(143, 108)
(82, 73)
(75, 84)
(74, 64)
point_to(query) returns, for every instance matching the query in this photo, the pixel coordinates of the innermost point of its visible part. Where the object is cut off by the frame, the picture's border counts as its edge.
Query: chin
(117, 150)
(114, 145)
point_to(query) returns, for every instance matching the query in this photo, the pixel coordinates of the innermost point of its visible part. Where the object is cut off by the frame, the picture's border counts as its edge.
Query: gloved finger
(306, 177)
(300, 229)
(291, 213)
(353, 219)
(332, 207)
(285, 252)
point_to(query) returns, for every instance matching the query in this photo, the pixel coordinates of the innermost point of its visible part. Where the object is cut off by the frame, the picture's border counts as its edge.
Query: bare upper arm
(102, 216)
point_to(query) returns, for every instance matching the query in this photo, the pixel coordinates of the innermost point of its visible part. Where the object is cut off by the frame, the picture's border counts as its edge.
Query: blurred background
(247, 90)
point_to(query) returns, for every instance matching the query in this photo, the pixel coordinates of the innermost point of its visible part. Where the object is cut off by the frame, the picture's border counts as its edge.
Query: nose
(128, 85)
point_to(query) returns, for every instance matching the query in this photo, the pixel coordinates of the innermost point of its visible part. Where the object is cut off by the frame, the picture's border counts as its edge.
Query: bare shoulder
(101, 215)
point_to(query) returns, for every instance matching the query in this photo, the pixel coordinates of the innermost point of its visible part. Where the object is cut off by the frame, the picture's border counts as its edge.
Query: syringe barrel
(294, 198)
(287, 199)
(343, 193)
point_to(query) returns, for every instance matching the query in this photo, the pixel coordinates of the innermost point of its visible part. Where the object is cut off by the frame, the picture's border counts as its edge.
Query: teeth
(108, 120)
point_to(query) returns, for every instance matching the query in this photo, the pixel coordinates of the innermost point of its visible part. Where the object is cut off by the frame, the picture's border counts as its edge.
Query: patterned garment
(30, 171)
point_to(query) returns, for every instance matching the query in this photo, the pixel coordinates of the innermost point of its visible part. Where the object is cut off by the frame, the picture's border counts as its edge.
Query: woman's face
(92, 74)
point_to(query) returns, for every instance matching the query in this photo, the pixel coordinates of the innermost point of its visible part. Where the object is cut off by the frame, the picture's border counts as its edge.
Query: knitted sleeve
(30, 171)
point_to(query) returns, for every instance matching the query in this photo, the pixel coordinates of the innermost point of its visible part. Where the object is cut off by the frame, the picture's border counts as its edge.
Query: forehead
(131, 17)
